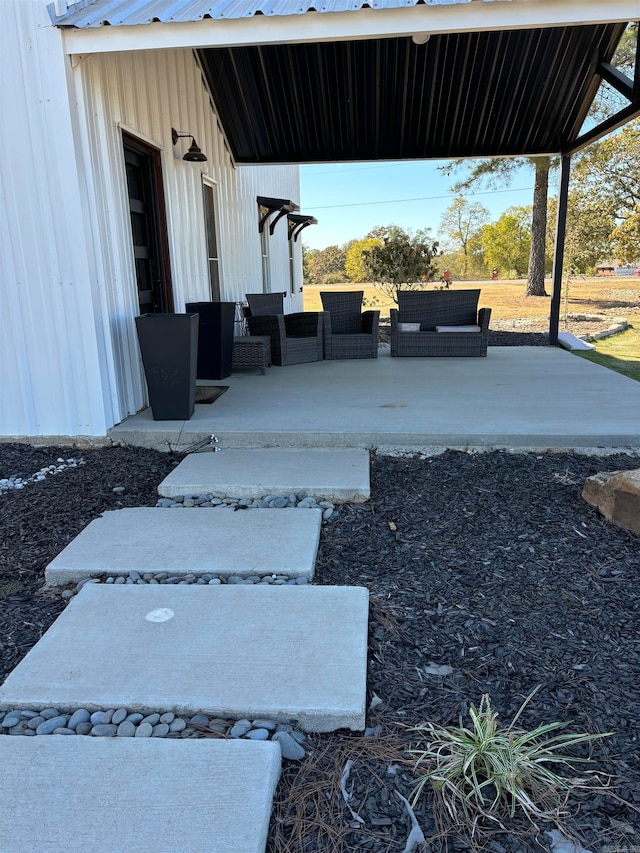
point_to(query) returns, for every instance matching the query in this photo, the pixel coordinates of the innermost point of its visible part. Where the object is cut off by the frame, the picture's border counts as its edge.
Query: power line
(308, 206)
(363, 169)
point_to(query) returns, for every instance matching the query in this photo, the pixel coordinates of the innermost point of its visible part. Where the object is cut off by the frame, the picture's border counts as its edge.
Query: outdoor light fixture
(194, 154)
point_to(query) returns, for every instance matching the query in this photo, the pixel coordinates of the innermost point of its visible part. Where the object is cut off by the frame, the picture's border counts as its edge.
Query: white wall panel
(277, 182)
(49, 364)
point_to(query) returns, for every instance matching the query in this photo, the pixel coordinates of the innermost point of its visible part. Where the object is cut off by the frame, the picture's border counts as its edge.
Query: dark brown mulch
(494, 565)
(518, 339)
(489, 563)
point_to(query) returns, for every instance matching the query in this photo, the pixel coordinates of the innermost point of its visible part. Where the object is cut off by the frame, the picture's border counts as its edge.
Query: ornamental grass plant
(491, 772)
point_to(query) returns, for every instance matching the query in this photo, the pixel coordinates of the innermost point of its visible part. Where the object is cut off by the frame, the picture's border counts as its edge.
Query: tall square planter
(169, 347)
(215, 338)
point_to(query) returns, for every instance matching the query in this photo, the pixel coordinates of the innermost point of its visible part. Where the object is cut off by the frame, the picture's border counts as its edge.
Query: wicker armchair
(295, 338)
(348, 333)
(449, 324)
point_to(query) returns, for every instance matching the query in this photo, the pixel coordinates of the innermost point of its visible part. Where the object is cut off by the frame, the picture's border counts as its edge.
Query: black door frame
(157, 221)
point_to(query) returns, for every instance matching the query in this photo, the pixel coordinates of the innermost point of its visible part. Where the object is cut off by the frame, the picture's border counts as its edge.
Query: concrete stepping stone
(257, 652)
(332, 474)
(198, 541)
(101, 794)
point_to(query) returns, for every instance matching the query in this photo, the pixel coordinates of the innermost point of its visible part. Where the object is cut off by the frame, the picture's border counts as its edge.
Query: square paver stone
(332, 474)
(107, 794)
(283, 653)
(197, 541)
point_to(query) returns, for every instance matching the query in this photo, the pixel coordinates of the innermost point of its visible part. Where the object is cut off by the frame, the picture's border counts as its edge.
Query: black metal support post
(558, 255)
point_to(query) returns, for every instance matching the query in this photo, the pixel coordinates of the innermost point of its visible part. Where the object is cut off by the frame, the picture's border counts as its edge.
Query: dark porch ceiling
(518, 92)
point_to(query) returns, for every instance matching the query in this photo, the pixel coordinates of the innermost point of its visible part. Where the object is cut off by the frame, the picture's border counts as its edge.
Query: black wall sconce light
(194, 154)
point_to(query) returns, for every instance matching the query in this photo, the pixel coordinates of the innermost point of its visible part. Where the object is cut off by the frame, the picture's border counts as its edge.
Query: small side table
(251, 351)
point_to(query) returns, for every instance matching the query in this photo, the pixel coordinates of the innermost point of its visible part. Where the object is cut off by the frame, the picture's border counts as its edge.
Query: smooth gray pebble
(291, 749)
(135, 718)
(104, 730)
(257, 734)
(51, 724)
(79, 716)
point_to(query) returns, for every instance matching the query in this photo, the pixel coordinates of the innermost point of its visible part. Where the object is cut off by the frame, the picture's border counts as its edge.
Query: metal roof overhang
(303, 95)
(504, 93)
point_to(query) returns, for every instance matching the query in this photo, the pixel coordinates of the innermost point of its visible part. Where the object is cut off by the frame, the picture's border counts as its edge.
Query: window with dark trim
(292, 266)
(212, 240)
(264, 248)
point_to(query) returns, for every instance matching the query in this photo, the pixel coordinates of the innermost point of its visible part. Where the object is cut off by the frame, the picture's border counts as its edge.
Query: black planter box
(169, 347)
(215, 338)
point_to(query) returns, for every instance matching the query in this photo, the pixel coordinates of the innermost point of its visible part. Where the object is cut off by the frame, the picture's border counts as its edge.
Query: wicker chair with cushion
(295, 338)
(349, 333)
(439, 323)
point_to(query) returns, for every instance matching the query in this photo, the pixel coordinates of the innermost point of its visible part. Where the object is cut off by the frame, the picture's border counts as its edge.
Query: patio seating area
(515, 397)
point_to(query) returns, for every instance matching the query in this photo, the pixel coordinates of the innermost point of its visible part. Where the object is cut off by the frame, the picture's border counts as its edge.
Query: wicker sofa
(439, 323)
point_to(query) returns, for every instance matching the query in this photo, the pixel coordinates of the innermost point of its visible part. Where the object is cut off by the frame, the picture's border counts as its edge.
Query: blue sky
(348, 199)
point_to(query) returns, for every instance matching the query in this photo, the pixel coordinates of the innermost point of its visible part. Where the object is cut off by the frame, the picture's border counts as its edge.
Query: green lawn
(620, 353)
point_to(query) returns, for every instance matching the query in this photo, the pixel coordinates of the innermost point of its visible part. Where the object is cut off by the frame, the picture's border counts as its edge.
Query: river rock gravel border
(279, 501)
(167, 578)
(15, 482)
(120, 722)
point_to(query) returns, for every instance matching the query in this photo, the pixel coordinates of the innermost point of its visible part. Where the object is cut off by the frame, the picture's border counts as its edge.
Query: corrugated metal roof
(117, 13)
(518, 92)
(470, 94)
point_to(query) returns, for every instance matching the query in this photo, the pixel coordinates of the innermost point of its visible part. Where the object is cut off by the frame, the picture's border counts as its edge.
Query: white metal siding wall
(49, 368)
(146, 94)
(276, 182)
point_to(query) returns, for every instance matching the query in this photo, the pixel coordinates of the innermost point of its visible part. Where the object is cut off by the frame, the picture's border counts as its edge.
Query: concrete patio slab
(332, 474)
(196, 541)
(283, 653)
(102, 794)
(541, 397)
